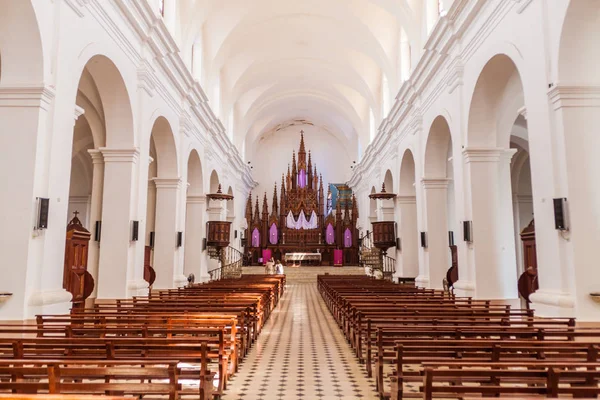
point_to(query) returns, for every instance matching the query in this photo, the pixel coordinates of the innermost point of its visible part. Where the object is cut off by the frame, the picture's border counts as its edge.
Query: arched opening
(407, 261)
(386, 207)
(497, 102)
(372, 207)
(438, 188)
(161, 210)
(195, 219)
(577, 106)
(100, 169)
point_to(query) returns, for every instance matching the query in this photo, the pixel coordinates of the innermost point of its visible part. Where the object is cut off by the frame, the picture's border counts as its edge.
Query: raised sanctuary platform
(307, 274)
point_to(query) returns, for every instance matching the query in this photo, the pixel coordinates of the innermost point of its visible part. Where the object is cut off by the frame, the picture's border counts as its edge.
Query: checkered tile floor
(301, 354)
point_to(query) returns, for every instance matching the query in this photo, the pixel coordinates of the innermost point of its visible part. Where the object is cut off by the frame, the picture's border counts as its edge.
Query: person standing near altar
(270, 267)
(279, 268)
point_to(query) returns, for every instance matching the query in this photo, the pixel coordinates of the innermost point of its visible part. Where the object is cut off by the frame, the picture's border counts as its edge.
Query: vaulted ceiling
(268, 62)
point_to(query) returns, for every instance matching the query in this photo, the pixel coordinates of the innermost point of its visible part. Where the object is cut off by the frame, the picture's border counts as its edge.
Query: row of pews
(424, 343)
(177, 343)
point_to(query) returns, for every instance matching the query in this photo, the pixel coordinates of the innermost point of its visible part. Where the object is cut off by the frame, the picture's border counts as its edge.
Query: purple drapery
(266, 256)
(273, 234)
(302, 178)
(329, 235)
(338, 257)
(255, 238)
(348, 238)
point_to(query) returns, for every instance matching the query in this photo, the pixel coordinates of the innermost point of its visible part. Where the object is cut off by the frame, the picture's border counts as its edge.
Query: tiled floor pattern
(301, 354)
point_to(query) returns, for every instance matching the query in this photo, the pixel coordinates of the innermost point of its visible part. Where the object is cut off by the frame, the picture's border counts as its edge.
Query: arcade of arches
(481, 116)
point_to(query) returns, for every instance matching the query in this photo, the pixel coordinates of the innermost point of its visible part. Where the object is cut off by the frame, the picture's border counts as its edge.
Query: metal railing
(373, 258)
(231, 263)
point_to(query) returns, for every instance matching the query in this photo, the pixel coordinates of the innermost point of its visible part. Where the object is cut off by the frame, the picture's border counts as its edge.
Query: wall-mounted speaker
(203, 244)
(43, 210)
(468, 231)
(398, 244)
(179, 239)
(98, 231)
(135, 231)
(424, 240)
(152, 235)
(235, 234)
(450, 238)
(561, 220)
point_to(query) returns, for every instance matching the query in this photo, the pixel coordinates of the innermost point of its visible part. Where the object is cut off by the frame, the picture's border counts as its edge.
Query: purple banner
(348, 238)
(338, 257)
(302, 178)
(273, 234)
(329, 235)
(255, 238)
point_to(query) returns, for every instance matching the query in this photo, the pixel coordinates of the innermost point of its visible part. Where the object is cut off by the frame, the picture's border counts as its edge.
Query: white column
(168, 272)
(491, 254)
(432, 14)
(117, 215)
(408, 262)
(577, 117)
(436, 197)
(95, 214)
(194, 236)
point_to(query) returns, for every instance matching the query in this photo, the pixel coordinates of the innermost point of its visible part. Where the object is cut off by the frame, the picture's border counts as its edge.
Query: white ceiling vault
(264, 63)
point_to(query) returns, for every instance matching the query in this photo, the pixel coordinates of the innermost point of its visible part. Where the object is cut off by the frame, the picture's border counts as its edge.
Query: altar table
(303, 257)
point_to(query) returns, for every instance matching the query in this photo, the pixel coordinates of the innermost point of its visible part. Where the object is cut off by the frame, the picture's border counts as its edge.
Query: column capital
(97, 157)
(129, 155)
(482, 154)
(406, 199)
(27, 96)
(196, 199)
(167, 183)
(507, 154)
(435, 183)
(563, 95)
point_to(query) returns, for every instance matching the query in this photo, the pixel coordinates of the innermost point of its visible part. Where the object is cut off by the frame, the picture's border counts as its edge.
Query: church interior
(325, 199)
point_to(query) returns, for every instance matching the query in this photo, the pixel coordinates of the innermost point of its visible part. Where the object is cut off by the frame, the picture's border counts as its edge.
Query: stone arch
(373, 206)
(23, 59)
(194, 174)
(230, 205)
(407, 175)
(389, 181)
(439, 144)
(214, 181)
(115, 100)
(579, 52)
(495, 104)
(163, 141)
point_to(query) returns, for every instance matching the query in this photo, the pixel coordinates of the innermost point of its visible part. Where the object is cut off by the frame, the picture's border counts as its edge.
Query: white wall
(273, 152)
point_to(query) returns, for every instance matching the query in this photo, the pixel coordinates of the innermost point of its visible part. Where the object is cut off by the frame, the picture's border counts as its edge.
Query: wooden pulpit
(76, 278)
(452, 273)
(529, 250)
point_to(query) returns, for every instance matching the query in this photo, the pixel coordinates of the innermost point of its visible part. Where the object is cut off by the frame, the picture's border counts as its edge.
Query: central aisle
(301, 354)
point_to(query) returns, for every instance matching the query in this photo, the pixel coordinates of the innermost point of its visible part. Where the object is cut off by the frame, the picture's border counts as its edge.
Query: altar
(314, 258)
(304, 223)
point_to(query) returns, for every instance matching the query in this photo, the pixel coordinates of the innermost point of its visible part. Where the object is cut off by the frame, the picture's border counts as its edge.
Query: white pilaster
(492, 251)
(436, 197)
(168, 272)
(408, 261)
(116, 263)
(95, 214)
(194, 262)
